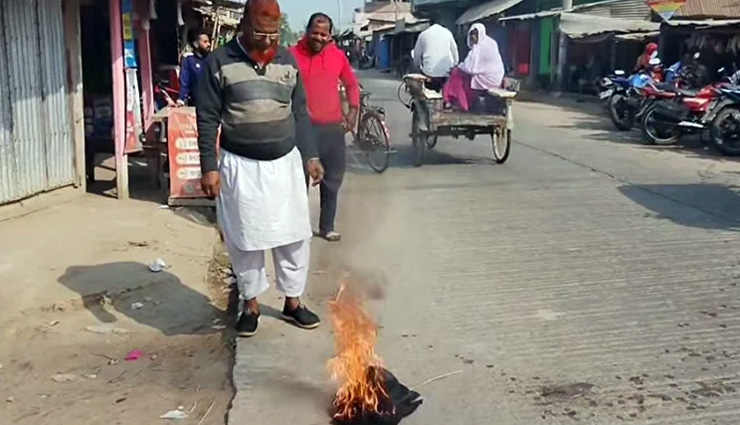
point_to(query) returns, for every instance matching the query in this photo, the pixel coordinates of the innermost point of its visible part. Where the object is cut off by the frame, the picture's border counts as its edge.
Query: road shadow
(404, 158)
(166, 303)
(704, 206)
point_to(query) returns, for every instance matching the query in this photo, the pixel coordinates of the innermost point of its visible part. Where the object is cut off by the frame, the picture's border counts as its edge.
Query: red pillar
(119, 98)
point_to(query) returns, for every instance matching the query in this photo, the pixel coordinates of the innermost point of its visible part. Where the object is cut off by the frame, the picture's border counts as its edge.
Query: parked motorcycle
(654, 92)
(625, 98)
(691, 111)
(725, 127)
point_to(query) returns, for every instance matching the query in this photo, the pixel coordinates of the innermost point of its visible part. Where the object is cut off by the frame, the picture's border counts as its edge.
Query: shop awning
(638, 36)
(708, 23)
(393, 29)
(527, 16)
(576, 25)
(486, 10)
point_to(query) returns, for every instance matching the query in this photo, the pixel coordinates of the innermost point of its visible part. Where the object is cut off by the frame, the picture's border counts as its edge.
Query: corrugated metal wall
(7, 151)
(624, 9)
(717, 9)
(36, 146)
(631, 9)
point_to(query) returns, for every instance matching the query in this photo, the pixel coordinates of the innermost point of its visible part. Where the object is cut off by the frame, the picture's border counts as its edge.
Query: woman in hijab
(481, 71)
(643, 61)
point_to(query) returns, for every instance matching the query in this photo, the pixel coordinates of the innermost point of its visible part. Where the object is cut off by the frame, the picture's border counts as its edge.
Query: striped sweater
(261, 111)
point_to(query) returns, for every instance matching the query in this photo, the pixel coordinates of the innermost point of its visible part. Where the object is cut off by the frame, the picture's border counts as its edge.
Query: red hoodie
(321, 74)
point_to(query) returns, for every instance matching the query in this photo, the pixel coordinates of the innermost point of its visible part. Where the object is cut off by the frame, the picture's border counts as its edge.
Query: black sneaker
(247, 324)
(301, 317)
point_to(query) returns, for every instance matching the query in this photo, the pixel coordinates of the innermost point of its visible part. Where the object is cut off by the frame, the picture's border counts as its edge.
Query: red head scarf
(651, 48)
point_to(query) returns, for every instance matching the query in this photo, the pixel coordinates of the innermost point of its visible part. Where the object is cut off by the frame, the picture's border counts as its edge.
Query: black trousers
(332, 153)
(436, 83)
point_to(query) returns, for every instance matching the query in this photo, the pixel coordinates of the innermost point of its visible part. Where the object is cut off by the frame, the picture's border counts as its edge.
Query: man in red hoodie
(323, 66)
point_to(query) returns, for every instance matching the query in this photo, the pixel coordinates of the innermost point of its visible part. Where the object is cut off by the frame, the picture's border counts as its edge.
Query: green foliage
(288, 37)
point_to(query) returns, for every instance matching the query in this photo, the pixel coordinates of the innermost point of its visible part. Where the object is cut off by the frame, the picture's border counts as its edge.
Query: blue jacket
(190, 72)
(672, 72)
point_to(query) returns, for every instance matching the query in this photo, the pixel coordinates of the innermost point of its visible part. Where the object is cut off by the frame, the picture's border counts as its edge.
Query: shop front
(131, 52)
(717, 42)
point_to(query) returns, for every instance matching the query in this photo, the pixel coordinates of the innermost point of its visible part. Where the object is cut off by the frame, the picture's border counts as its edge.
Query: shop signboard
(184, 158)
(665, 8)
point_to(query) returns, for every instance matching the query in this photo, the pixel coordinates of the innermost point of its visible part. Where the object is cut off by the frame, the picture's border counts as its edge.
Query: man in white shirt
(436, 54)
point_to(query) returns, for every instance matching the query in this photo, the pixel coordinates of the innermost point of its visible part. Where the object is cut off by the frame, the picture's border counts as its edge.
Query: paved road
(590, 278)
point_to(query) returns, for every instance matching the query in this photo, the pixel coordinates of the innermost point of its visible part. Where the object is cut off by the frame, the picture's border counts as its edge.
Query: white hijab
(484, 61)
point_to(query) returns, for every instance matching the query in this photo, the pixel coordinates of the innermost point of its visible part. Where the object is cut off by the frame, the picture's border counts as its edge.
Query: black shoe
(247, 324)
(301, 317)
(331, 236)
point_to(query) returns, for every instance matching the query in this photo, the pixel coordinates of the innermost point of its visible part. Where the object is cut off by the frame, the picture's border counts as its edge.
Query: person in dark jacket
(192, 67)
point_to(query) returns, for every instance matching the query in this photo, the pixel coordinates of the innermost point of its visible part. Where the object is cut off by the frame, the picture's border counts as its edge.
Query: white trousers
(291, 267)
(263, 204)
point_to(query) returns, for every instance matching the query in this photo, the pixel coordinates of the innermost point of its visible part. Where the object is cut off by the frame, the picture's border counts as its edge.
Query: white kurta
(263, 204)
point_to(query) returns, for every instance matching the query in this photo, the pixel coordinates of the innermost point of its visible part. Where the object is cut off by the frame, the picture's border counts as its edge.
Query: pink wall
(119, 97)
(147, 85)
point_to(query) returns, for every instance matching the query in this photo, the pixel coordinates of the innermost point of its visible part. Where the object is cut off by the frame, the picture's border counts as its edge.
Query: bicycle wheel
(501, 143)
(404, 96)
(418, 139)
(374, 142)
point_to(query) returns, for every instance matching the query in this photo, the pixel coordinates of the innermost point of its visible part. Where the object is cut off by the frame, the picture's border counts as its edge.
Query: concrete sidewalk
(90, 234)
(78, 299)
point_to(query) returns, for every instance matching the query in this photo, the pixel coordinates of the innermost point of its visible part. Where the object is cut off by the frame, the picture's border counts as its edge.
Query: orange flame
(355, 333)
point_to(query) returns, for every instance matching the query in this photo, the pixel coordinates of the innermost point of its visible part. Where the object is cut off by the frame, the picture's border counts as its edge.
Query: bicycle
(371, 134)
(407, 100)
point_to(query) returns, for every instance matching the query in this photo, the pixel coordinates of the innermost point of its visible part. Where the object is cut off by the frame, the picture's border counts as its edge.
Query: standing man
(436, 54)
(192, 68)
(323, 67)
(252, 90)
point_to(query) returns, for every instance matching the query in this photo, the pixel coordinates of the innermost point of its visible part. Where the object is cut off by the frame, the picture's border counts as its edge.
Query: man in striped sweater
(253, 91)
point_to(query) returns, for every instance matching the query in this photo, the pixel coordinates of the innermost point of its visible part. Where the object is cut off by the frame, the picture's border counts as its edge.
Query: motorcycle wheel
(725, 131)
(620, 113)
(657, 134)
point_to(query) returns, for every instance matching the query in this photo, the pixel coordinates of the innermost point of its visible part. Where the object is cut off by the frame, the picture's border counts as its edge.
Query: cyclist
(435, 55)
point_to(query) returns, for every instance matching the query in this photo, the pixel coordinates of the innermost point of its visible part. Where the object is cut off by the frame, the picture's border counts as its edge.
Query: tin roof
(485, 10)
(581, 8)
(577, 25)
(390, 11)
(721, 9)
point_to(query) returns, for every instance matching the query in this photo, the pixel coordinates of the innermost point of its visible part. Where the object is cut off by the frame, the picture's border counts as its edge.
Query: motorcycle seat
(665, 87)
(687, 92)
